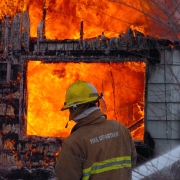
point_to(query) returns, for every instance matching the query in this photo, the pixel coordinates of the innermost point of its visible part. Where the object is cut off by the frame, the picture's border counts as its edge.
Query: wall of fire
(16, 47)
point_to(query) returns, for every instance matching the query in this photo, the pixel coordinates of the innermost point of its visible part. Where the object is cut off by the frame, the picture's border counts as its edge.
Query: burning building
(138, 75)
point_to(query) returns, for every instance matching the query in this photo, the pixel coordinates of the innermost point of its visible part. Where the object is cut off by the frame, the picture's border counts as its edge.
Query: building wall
(17, 149)
(163, 101)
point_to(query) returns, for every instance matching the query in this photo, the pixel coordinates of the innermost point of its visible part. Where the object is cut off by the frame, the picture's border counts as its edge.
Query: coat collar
(95, 117)
(85, 113)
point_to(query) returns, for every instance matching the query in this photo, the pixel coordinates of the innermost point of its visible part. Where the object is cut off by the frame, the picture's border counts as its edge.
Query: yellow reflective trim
(87, 170)
(85, 178)
(107, 161)
(111, 168)
(107, 165)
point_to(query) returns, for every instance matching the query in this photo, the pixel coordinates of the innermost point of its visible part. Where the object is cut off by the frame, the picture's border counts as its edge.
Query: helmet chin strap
(75, 111)
(67, 124)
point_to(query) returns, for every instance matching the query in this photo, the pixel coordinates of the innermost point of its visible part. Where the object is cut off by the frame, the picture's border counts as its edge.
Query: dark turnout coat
(97, 149)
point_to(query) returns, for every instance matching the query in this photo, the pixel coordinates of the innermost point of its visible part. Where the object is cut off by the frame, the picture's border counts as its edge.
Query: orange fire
(121, 83)
(113, 17)
(9, 144)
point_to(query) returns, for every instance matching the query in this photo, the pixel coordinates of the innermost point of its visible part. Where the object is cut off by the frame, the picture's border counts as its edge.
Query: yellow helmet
(80, 92)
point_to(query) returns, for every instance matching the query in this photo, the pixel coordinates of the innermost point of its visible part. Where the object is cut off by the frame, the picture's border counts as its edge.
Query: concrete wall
(163, 101)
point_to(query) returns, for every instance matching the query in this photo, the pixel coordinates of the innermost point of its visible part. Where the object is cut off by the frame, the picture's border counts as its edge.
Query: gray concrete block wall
(163, 101)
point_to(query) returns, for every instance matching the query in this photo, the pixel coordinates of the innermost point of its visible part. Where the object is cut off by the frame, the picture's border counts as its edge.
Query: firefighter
(97, 148)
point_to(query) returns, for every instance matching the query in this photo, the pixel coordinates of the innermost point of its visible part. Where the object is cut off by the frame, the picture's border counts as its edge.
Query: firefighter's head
(80, 96)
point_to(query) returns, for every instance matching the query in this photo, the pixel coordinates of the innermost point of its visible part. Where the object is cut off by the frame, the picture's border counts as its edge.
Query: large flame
(62, 17)
(121, 83)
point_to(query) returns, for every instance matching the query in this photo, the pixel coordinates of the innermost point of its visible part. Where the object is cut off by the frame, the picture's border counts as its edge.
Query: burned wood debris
(17, 149)
(25, 173)
(15, 41)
